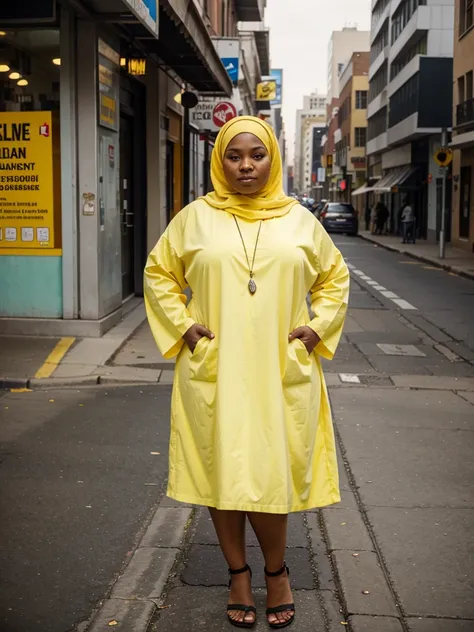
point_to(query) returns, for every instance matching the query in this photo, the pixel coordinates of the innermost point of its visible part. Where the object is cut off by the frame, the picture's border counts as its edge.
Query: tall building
(410, 101)
(463, 127)
(341, 46)
(351, 135)
(312, 115)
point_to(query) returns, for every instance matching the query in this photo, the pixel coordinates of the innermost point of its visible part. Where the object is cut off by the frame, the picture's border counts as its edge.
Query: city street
(88, 542)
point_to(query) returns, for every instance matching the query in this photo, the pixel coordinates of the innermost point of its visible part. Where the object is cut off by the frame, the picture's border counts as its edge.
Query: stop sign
(223, 112)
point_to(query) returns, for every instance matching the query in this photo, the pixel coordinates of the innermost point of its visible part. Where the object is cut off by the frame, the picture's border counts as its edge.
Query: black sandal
(287, 607)
(241, 607)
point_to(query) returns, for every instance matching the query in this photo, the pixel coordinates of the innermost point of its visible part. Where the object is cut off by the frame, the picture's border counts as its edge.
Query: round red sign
(223, 112)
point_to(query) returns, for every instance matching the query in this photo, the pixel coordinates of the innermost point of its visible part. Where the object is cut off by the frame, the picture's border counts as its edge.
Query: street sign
(266, 91)
(231, 64)
(443, 156)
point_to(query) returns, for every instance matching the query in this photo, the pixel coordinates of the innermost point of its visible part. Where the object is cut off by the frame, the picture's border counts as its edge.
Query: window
(361, 99)
(469, 85)
(420, 48)
(403, 15)
(466, 16)
(405, 101)
(360, 136)
(377, 124)
(378, 83)
(461, 90)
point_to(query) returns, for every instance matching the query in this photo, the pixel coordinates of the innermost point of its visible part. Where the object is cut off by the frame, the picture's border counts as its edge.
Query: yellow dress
(251, 426)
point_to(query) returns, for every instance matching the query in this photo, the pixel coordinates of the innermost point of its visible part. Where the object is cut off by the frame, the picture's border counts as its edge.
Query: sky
(299, 36)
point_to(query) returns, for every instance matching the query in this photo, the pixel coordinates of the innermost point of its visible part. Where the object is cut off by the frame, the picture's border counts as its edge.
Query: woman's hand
(307, 336)
(194, 335)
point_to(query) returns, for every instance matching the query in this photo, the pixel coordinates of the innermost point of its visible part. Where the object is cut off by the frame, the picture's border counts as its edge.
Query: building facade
(341, 46)
(311, 116)
(351, 134)
(410, 102)
(463, 127)
(90, 104)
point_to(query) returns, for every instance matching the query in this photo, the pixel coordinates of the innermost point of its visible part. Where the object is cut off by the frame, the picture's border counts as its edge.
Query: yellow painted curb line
(54, 358)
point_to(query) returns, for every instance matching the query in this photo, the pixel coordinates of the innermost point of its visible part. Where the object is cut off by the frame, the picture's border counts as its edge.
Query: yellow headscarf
(267, 203)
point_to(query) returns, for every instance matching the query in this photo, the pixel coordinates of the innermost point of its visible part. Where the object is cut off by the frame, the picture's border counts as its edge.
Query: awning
(367, 187)
(395, 177)
(183, 42)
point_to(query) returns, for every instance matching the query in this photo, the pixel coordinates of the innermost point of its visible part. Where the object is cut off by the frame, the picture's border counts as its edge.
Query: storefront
(90, 154)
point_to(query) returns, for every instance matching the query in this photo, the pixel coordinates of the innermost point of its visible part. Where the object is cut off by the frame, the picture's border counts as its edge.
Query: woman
(251, 431)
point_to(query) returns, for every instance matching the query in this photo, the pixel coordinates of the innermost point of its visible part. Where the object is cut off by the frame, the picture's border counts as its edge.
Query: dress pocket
(299, 366)
(203, 361)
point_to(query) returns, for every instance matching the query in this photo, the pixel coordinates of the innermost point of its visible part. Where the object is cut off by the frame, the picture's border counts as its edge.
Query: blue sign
(277, 75)
(231, 64)
(147, 12)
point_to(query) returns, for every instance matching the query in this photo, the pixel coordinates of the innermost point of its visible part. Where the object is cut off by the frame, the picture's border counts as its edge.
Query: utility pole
(442, 234)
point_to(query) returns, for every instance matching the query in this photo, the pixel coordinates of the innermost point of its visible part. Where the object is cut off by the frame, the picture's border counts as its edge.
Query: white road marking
(349, 378)
(404, 304)
(400, 302)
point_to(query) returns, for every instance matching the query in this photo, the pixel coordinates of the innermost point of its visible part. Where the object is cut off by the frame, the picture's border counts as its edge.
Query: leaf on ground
(155, 453)
(163, 607)
(20, 390)
(113, 622)
(51, 401)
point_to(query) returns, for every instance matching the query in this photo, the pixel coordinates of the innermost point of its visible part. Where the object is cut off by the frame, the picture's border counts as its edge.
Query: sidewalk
(456, 260)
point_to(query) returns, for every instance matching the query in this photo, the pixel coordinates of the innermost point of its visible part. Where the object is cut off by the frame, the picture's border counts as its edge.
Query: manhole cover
(401, 350)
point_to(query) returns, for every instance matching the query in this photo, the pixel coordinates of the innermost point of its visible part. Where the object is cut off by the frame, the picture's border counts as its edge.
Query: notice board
(26, 180)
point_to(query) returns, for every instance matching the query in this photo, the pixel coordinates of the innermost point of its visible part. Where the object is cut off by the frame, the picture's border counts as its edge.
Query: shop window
(30, 176)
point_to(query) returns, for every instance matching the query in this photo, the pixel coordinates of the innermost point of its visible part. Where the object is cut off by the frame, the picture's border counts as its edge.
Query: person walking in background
(251, 427)
(382, 217)
(408, 222)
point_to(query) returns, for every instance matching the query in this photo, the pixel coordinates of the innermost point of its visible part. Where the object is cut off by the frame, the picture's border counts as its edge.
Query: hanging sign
(212, 114)
(26, 180)
(266, 91)
(147, 12)
(444, 156)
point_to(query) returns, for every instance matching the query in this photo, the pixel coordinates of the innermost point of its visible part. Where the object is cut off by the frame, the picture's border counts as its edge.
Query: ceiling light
(4, 67)
(123, 61)
(2, 33)
(22, 82)
(14, 75)
(57, 61)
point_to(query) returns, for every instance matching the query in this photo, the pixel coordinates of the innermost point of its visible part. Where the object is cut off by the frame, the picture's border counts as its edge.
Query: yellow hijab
(267, 203)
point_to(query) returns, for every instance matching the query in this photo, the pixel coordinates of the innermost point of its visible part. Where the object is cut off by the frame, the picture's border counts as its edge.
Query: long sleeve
(329, 294)
(165, 301)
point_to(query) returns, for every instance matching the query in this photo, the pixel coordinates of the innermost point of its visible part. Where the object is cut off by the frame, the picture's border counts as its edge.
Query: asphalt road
(78, 482)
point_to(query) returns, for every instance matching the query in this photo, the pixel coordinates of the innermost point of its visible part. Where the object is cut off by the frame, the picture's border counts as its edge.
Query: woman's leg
(271, 530)
(230, 529)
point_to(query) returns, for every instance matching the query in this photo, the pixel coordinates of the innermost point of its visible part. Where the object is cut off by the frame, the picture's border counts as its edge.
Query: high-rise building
(410, 102)
(341, 46)
(463, 127)
(312, 115)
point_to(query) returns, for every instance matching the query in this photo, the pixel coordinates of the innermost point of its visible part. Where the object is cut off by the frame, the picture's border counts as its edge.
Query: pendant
(252, 286)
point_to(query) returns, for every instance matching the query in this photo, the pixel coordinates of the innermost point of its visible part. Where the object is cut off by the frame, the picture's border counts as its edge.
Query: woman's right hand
(194, 334)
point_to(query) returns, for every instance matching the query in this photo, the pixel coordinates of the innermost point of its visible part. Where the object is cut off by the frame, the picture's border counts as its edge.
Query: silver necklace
(252, 285)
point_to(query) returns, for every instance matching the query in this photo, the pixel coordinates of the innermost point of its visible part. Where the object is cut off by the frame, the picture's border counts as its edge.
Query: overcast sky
(299, 36)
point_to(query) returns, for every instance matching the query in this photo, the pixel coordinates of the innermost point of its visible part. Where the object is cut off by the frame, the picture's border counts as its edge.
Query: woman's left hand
(307, 336)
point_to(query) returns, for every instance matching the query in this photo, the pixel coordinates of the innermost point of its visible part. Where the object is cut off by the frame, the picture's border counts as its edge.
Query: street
(88, 542)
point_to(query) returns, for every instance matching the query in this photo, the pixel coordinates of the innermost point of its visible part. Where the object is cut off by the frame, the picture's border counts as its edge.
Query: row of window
(380, 42)
(360, 140)
(403, 15)
(377, 124)
(378, 83)
(420, 48)
(466, 87)
(404, 102)
(378, 10)
(361, 98)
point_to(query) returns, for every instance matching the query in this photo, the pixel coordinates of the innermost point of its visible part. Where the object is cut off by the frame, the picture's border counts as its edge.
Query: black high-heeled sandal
(241, 607)
(287, 607)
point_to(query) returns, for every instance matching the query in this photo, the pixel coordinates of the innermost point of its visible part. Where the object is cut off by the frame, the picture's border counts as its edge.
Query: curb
(443, 266)
(137, 594)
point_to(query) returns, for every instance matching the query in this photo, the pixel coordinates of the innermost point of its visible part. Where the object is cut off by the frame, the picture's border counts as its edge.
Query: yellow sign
(26, 180)
(137, 66)
(266, 91)
(443, 156)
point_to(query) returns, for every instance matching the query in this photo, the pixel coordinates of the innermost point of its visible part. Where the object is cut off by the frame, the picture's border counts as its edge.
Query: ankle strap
(239, 570)
(282, 570)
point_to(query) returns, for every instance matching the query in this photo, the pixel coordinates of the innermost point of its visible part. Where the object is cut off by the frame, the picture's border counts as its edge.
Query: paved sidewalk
(456, 260)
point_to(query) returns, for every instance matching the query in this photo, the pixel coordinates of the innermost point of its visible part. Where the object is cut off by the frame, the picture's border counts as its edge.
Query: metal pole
(186, 157)
(442, 236)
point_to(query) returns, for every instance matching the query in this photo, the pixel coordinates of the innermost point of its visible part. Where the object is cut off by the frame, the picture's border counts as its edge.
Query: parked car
(318, 207)
(340, 217)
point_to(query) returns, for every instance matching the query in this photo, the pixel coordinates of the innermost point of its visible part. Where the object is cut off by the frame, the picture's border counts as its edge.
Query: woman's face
(246, 164)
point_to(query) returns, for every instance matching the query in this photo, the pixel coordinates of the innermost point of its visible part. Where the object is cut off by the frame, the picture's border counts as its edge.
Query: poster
(26, 180)
(277, 75)
(109, 86)
(212, 114)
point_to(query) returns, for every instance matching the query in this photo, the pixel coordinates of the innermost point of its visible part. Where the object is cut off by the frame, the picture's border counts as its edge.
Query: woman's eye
(258, 156)
(233, 158)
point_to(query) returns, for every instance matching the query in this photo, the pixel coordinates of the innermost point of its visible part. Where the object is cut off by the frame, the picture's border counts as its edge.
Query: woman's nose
(246, 165)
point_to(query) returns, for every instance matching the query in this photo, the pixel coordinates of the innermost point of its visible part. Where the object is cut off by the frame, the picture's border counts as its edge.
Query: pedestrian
(251, 429)
(382, 217)
(408, 223)
(373, 218)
